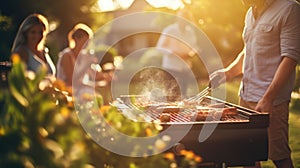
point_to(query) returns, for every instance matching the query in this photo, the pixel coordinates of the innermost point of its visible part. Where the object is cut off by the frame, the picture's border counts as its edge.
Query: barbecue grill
(238, 140)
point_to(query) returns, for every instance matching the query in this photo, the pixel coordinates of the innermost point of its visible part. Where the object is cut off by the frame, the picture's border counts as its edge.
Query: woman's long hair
(29, 22)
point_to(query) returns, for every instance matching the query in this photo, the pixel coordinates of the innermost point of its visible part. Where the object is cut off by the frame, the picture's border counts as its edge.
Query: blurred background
(222, 21)
(54, 134)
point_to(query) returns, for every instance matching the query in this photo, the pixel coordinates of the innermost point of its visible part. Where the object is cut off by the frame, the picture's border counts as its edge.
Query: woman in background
(29, 44)
(78, 37)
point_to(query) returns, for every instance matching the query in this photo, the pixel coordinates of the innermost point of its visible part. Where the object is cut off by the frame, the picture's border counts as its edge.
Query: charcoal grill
(239, 140)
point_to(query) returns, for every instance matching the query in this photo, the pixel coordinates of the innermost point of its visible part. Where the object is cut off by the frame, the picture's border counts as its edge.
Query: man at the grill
(268, 62)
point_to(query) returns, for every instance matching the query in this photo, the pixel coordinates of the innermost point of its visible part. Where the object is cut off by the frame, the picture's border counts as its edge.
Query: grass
(294, 121)
(295, 135)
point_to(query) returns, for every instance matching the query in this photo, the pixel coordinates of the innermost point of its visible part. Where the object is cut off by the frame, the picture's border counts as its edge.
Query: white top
(60, 70)
(177, 39)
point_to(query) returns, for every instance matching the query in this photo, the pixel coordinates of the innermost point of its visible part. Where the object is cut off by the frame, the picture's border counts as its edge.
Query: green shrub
(40, 127)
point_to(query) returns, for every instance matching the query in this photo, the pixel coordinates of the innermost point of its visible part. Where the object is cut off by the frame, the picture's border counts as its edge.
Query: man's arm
(283, 73)
(236, 67)
(233, 70)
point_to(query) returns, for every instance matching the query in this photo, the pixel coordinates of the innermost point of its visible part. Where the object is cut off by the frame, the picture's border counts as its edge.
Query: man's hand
(217, 78)
(264, 105)
(283, 73)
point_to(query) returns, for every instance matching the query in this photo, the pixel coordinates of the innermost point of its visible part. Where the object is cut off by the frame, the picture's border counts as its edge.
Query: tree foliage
(37, 124)
(39, 127)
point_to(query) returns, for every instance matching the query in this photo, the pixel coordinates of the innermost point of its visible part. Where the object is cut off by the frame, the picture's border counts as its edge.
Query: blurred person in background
(29, 44)
(78, 37)
(268, 64)
(179, 40)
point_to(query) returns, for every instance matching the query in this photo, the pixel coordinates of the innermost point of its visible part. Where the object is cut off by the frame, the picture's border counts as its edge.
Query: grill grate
(186, 115)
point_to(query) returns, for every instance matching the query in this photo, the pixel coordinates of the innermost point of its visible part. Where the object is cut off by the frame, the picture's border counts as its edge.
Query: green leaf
(19, 97)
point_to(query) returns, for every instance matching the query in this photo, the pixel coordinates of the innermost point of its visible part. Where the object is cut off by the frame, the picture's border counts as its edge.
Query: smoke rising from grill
(152, 84)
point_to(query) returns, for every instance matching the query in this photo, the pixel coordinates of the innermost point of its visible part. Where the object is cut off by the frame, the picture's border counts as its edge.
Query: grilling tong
(213, 83)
